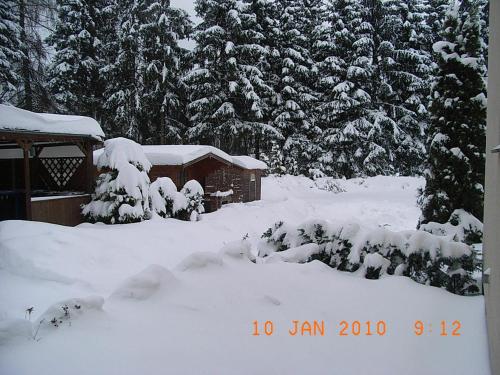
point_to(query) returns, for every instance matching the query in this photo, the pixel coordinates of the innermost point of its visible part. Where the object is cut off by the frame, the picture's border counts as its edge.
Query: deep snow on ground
(194, 313)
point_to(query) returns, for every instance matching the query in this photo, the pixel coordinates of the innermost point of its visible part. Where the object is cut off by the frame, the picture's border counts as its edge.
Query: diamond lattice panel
(61, 169)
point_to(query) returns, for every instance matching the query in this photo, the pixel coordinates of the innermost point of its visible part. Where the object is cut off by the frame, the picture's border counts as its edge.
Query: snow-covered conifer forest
(341, 86)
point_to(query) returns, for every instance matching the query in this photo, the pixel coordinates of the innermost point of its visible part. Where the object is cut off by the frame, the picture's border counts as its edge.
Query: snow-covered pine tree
(10, 55)
(350, 144)
(266, 23)
(227, 106)
(122, 192)
(161, 27)
(74, 72)
(403, 75)
(123, 89)
(294, 101)
(34, 20)
(456, 142)
(437, 15)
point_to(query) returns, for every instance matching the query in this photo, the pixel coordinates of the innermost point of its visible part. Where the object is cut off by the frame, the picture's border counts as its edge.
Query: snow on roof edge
(185, 154)
(247, 162)
(21, 120)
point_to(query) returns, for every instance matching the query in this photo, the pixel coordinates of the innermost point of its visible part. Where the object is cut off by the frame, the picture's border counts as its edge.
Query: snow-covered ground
(174, 304)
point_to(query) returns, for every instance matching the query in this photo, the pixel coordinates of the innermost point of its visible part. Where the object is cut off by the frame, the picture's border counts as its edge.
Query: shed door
(252, 187)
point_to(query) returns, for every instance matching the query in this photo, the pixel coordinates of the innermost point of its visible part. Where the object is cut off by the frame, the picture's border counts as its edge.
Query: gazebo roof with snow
(16, 120)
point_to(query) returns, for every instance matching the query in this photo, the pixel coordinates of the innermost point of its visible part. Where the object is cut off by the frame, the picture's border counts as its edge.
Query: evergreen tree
(74, 73)
(160, 69)
(404, 71)
(227, 106)
(455, 174)
(10, 55)
(294, 102)
(35, 18)
(357, 127)
(123, 91)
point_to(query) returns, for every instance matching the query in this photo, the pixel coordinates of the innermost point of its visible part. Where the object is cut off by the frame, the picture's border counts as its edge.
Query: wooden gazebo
(46, 165)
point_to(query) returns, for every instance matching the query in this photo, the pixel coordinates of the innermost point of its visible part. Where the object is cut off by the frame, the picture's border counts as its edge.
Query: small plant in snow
(28, 312)
(122, 191)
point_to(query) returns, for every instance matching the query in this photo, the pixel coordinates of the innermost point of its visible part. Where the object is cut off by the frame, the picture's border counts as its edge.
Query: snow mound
(300, 254)
(75, 307)
(145, 283)
(238, 249)
(199, 260)
(11, 329)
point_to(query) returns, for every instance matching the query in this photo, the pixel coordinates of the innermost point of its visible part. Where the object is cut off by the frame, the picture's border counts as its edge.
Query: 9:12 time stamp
(353, 328)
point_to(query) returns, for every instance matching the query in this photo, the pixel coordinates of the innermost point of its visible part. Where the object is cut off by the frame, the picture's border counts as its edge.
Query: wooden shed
(224, 178)
(46, 165)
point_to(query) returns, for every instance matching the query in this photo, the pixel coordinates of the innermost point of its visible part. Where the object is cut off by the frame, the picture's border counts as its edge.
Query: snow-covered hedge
(122, 191)
(461, 227)
(422, 256)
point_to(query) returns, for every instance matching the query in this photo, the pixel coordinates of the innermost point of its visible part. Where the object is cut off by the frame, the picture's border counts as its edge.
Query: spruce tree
(227, 100)
(160, 69)
(404, 71)
(456, 143)
(294, 102)
(351, 142)
(74, 73)
(123, 90)
(10, 55)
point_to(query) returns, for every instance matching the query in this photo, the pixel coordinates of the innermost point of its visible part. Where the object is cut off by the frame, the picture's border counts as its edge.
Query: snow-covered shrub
(281, 236)
(424, 257)
(194, 193)
(460, 227)
(122, 191)
(165, 200)
(375, 265)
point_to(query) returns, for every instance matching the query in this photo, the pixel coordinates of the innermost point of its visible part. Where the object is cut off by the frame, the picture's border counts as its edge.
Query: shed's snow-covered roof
(248, 162)
(184, 154)
(16, 119)
(181, 154)
(496, 149)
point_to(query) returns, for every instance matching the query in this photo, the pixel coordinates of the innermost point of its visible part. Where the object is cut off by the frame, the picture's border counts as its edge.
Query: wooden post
(89, 167)
(26, 145)
(86, 148)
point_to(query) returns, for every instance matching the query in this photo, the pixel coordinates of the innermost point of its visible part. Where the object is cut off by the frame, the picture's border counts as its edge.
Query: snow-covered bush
(194, 193)
(122, 191)
(461, 227)
(424, 257)
(165, 200)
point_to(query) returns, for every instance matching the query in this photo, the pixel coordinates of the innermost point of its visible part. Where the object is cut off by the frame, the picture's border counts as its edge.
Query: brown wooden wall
(251, 190)
(63, 211)
(172, 171)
